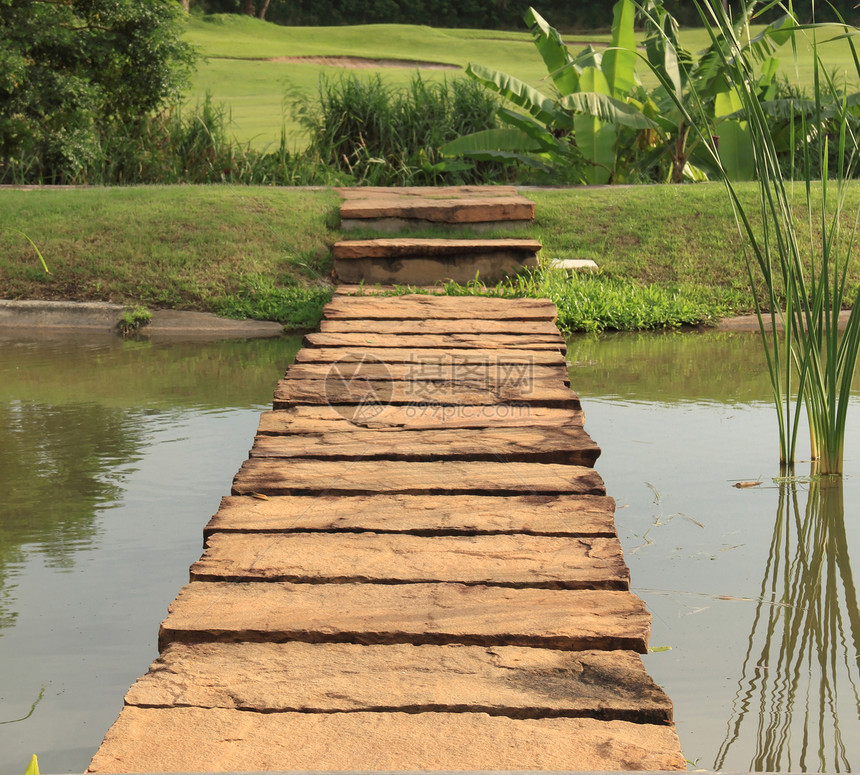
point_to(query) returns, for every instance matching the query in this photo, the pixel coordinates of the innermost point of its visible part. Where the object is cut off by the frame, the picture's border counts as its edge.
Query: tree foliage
(71, 70)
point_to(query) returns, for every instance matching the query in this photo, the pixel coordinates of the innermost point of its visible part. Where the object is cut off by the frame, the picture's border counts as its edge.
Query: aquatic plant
(810, 363)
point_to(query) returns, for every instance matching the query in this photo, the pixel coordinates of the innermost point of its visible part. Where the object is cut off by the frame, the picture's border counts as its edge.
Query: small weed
(133, 319)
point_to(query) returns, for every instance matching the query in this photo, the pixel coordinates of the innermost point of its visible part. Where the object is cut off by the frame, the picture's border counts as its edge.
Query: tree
(249, 7)
(73, 70)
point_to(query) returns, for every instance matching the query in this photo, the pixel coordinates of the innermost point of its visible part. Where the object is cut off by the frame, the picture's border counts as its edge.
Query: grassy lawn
(265, 252)
(259, 92)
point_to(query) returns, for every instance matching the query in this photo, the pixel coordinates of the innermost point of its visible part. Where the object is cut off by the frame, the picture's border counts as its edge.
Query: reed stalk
(810, 362)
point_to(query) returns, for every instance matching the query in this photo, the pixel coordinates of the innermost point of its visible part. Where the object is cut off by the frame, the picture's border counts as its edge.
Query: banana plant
(577, 127)
(600, 125)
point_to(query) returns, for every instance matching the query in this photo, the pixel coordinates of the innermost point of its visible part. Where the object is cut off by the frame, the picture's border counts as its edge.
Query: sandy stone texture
(503, 560)
(559, 515)
(407, 613)
(338, 677)
(158, 740)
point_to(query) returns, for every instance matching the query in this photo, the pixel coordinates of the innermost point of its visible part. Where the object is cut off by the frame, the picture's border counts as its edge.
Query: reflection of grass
(788, 713)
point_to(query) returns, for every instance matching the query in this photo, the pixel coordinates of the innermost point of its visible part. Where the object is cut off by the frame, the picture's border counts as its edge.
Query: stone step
(445, 327)
(429, 357)
(570, 445)
(388, 558)
(226, 740)
(486, 375)
(419, 306)
(479, 341)
(427, 261)
(346, 677)
(472, 615)
(453, 477)
(550, 515)
(382, 393)
(474, 207)
(315, 418)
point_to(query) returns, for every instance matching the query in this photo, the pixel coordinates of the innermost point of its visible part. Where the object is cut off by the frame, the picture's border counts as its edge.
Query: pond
(113, 455)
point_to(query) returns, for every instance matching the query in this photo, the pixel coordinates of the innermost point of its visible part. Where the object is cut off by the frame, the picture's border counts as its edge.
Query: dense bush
(75, 70)
(381, 135)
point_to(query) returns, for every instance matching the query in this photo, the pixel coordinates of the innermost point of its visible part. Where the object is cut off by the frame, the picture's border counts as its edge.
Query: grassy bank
(245, 67)
(669, 255)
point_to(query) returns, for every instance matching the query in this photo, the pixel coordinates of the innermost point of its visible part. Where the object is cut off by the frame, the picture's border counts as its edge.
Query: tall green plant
(601, 112)
(811, 364)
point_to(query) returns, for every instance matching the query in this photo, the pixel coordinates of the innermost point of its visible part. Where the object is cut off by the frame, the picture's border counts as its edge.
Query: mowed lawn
(241, 70)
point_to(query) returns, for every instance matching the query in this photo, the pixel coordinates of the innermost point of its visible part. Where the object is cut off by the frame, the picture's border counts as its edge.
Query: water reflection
(798, 694)
(58, 464)
(75, 415)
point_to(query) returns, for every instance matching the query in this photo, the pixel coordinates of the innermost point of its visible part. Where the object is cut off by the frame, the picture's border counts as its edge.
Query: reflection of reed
(798, 691)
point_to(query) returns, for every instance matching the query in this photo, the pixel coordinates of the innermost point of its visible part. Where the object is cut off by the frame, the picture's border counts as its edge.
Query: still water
(113, 455)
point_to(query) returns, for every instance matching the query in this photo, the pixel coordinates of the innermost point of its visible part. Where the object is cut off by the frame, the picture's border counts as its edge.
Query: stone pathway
(417, 569)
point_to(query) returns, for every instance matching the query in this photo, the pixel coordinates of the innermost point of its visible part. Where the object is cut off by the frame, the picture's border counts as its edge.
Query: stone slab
(451, 207)
(490, 267)
(348, 250)
(441, 326)
(377, 393)
(551, 515)
(389, 558)
(473, 615)
(570, 445)
(429, 358)
(342, 677)
(424, 306)
(359, 477)
(316, 418)
(400, 225)
(350, 193)
(209, 740)
(479, 341)
(574, 264)
(484, 375)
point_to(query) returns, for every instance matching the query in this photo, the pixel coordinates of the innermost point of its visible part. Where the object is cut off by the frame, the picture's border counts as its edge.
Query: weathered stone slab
(424, 306)
(337, 390)
(552, 515)
(336, 677)
(347, 250)
(316, 419)
(570, 445)
(209, 740)
(571, 620)
(338, 558)
(491, 267)
(357, 477)
(428, 358)
(484, 375)
(438, 341)
(441, 326)
(451, 206)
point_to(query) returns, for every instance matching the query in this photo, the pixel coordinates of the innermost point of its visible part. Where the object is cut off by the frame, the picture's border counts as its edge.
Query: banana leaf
(512, 140)
(607, 109)
(522, 95)
(595, 137)
(554, 53)
(619, 62)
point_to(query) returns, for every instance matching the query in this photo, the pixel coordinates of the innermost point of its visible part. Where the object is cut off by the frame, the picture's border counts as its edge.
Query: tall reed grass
(389, 136)
(810, 362)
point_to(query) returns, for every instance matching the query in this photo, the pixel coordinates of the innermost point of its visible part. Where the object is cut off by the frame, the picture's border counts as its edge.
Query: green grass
(259, 93)
(669, 255)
